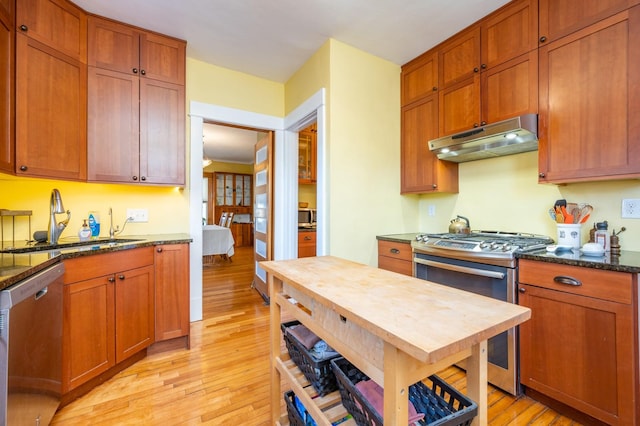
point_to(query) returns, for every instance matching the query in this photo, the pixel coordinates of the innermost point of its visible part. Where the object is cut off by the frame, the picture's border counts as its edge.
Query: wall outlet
(631, 208)
(138, 215)
(431, 210)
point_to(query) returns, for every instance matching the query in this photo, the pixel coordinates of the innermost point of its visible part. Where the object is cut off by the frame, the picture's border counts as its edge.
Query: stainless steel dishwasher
(31, 348)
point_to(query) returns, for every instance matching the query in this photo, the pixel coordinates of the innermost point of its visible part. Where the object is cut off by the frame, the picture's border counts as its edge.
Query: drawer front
(394, 249)
(307, 237)
(395, 265)
(93, 266)
(606, 285)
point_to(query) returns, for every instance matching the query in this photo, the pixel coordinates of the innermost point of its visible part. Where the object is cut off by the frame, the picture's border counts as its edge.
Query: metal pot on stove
(459, 225)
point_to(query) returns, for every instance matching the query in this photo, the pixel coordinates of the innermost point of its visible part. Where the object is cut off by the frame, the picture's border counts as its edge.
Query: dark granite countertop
(15, 267)
(399, 238)
(628, 261)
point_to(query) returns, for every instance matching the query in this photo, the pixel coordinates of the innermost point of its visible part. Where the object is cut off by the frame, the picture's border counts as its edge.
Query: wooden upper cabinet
(7, 91)
(136, 105)
(421, 171)
(460, 106)
(162, 144)
(509, 32)
(510, 89)
(56, 23)
(50, 72)
(589, 87)
(459, 57)
(419, 77)
(162, 58)
(127, 49)
(560, 18)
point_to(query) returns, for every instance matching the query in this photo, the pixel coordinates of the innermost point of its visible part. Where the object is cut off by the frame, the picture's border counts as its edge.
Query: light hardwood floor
(224, 378)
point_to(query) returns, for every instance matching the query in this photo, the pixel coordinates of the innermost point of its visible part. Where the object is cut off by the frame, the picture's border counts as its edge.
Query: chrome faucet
(56, 207)
(112, 230)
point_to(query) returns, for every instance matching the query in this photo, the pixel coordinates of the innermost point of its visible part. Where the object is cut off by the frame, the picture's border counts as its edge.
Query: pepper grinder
(614, 243)
(592, 234)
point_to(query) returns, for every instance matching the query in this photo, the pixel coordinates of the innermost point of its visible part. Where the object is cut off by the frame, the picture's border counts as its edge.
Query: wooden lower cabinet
(306, 243)
(580, 345)
(396, 257)
(108, 312)
(172, 291)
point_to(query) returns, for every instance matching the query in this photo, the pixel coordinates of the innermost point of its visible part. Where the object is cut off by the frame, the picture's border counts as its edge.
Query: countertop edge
(33, 262)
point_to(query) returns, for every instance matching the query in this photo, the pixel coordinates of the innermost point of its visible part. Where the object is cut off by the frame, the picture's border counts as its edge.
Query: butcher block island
(396, 329)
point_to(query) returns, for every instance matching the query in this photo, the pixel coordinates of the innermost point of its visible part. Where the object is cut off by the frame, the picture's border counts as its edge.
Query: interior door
(262, 211)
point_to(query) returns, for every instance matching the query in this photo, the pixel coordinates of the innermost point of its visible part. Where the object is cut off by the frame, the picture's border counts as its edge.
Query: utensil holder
(569, 234)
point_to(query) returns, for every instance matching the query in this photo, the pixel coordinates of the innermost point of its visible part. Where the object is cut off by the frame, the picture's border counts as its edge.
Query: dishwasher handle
(463, 269)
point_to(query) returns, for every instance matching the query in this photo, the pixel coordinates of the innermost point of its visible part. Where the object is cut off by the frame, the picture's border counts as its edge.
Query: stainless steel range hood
(512, 136)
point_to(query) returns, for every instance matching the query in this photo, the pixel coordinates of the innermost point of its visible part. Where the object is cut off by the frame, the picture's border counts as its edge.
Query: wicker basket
(295, 418)
(441, 404)
(319, 373)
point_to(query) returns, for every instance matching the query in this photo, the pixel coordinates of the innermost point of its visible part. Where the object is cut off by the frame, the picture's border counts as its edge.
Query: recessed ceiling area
(229, 144)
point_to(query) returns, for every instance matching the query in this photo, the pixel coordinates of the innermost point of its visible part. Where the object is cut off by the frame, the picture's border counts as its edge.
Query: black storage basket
(319, 373)
(295, 419)
(441, 404)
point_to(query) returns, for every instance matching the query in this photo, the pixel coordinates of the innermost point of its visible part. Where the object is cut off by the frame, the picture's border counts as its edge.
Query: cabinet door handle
(23, 168)
(23, 27)
(135, 70)
(143, 178)
(543, 39)
(134, 177)
(121, 277)
(394, 251)
(159, 249)
(542, 175)
(111, 279)
(522, 290)
(143, 72)
(563, 279)
(476, 69)
(307, 238)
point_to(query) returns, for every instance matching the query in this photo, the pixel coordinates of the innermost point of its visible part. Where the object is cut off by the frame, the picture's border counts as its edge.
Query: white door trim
(285, 235)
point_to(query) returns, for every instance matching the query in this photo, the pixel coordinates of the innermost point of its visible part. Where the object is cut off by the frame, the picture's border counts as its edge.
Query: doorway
(285, 178)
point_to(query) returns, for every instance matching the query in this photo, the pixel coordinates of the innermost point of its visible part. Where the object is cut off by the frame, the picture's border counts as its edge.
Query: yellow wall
(311, 77)
(504, 194)
(167, 206)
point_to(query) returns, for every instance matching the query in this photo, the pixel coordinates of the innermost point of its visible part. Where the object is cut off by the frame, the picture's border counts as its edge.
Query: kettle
(458, 226)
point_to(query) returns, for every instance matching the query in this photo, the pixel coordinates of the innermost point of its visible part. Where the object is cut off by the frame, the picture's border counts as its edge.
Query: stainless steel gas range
(483, 262)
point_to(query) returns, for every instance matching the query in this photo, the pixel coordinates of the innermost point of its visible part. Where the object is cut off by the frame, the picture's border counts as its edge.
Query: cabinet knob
(483, 123)
(394, 251)
(434, 186)
(475, 125)
(483, 66)
(23, 27)
(23, 168)
(543, 39)
(121, 277)
(135, 70)
(159, 249)
(143, 178)
(522, 290)
(435, 89)
(143, 72)
(111, 279)
(476, 69)
(134, 177)
(542, 175)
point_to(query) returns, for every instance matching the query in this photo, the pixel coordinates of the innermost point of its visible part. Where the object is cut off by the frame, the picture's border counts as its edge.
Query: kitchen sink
(94, 244)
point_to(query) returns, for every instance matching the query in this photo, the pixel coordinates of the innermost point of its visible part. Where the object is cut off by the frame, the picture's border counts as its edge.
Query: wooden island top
(396, 329)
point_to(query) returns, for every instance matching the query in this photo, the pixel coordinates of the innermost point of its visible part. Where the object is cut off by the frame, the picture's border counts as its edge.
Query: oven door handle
(463, 269)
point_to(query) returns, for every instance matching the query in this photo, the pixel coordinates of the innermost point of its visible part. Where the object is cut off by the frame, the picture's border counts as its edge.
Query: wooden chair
(223, 219)
(229, 220)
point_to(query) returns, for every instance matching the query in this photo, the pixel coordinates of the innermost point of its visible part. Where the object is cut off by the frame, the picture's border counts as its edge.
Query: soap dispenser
(85, 232)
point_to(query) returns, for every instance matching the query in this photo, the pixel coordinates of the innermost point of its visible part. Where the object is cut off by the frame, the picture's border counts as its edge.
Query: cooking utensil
(552, 214)
(559, 216)
(568, 217)
(458, 226)
(585, 211)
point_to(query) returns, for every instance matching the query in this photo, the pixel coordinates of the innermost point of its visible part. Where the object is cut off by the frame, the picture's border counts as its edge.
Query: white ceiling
(273, 38)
